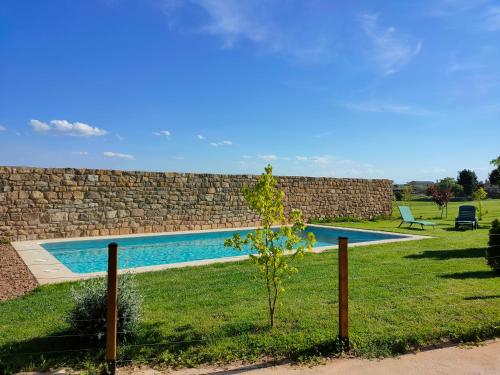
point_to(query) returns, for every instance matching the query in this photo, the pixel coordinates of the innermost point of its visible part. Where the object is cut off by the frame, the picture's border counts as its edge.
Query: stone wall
(38, 203)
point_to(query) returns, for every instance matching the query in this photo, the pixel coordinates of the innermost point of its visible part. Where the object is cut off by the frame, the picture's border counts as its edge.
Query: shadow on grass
(184, 346)
(472, 275)
(472, 298)
(450, 254)
(59, 348)
(462, 229)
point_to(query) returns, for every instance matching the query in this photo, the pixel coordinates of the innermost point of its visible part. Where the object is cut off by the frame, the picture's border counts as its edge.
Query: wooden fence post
(343, 293)
(112, 306)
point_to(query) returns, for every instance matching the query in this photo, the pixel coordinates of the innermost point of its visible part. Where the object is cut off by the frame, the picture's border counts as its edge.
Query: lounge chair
(467, 217)
(407, 217)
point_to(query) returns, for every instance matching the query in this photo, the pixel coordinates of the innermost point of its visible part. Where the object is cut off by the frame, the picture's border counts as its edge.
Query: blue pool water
(91, 255)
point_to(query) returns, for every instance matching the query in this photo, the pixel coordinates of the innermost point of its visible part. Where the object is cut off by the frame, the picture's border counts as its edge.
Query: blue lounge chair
(407, 217)
(467, 217)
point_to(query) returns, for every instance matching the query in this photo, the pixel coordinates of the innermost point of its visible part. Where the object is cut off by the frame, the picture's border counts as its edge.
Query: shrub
(493, 252)
(88, 316)
(398, 195)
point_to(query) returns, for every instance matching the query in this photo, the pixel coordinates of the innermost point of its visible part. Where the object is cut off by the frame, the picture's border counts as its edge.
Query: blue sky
(397, 89)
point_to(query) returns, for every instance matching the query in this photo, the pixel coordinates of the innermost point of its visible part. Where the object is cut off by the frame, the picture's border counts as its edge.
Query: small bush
(4, 241)
(398, 195)
(493, 252)
(88, 316)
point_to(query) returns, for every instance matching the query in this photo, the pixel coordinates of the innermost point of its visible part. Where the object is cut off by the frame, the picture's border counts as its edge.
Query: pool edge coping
(42, 263)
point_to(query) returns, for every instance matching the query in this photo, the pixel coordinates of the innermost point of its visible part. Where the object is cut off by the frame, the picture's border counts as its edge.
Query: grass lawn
(402, 296)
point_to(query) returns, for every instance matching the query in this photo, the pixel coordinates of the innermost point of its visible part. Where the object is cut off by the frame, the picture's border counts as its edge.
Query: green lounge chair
(407, 217)
(467, 217)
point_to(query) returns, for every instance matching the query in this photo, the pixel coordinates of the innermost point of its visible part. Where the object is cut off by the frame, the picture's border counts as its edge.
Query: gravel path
(15, 277)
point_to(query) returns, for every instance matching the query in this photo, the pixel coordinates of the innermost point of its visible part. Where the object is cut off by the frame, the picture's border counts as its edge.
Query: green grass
(403, 296)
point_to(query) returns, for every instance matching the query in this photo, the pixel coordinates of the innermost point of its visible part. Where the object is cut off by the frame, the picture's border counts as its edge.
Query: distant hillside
(419, 187)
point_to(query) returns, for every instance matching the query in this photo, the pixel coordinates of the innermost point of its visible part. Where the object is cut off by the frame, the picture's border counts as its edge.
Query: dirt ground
(15, 277)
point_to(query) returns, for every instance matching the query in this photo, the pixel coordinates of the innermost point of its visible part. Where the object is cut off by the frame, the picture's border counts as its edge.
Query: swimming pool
(90, 256)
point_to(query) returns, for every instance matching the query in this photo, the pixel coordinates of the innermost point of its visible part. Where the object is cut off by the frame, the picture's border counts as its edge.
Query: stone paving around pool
(48, 270)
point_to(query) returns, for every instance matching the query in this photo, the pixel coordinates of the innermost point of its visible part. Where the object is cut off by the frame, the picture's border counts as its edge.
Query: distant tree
(451, 183)
(468, 180)
(440, 196)
(494, 177)
(398, 195)
(480, 195)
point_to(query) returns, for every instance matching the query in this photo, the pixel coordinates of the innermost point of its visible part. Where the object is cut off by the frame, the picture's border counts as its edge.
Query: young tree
(480, 195)
(273, 244)
(440, 196)
(407, 193)
(468, 180)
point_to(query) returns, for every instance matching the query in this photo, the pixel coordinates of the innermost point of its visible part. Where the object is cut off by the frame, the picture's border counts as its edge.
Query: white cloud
(163, 133)
(64, 127)
(235, 22)
(82, 153)
(200, 137)
(179, 157)
(379, 107)
(269, 157)
(391, 48)
(118, 155)
(433, 171)
(456, 67)
(322, 165)
(222, 143)
(327, 165)
(2, 128)
(119, 137)
(39, 126)
(325, 159)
